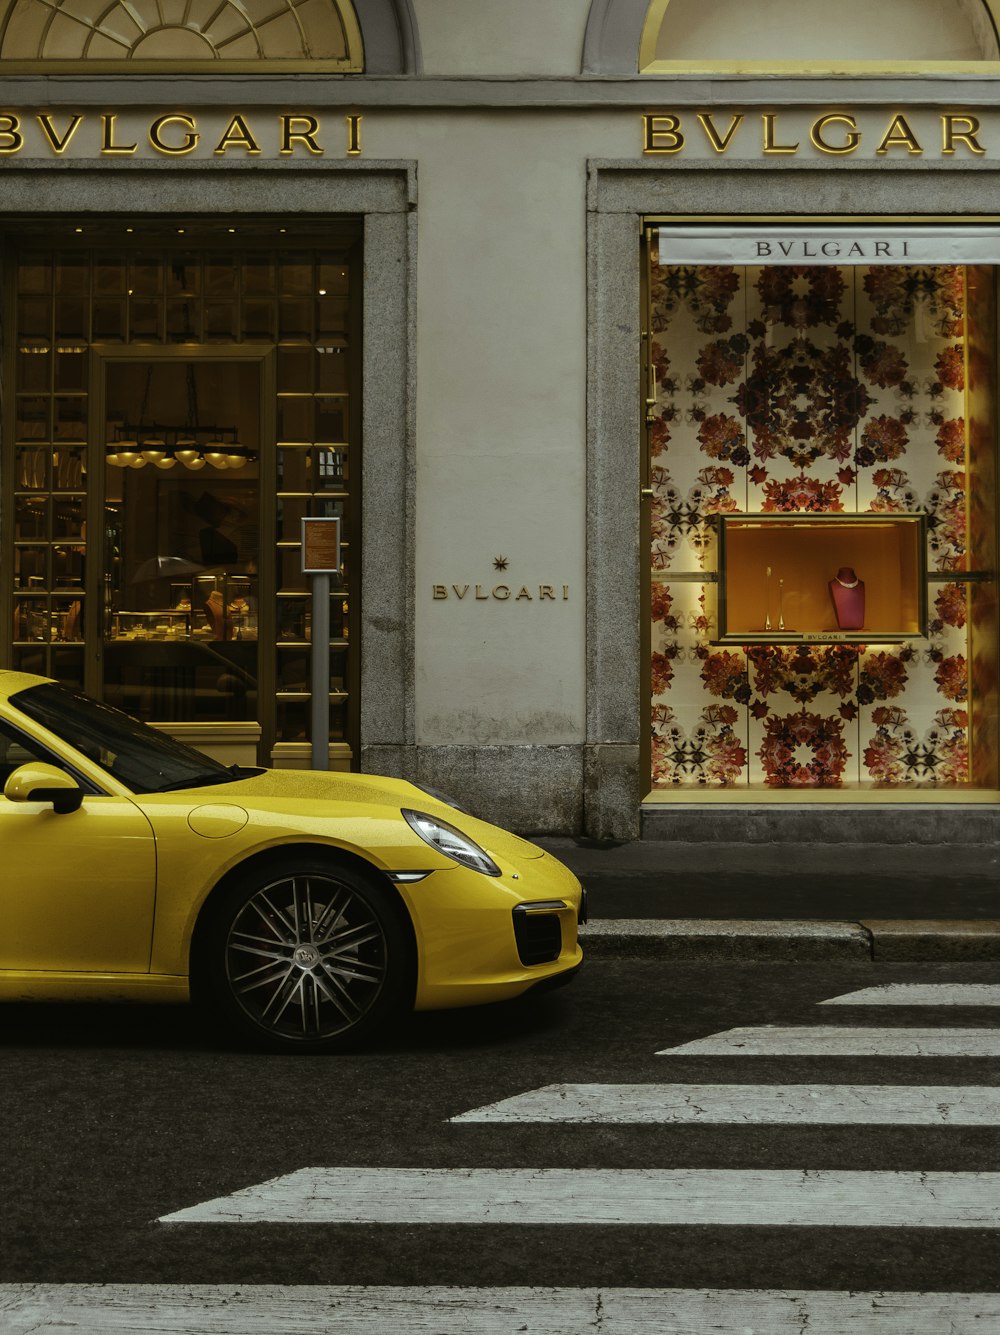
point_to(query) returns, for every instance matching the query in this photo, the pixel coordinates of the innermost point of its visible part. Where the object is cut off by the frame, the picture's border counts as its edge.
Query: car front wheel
(311, 958)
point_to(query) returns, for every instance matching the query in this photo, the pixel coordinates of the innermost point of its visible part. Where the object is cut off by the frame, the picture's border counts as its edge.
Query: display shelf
(157, 625)
(776, 573)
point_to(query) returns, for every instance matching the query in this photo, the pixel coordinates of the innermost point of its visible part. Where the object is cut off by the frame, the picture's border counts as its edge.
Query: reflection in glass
(32, 418)
(33, 469)
(71, 368)
(182, 543)
(30, 517)
(144, 320)
(109, 321)
(295, 418)
(71, 320)
(34, 368)
(220, 321)
(178, 571)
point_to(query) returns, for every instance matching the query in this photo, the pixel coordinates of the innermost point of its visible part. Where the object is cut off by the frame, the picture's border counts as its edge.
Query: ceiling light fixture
(138, 445)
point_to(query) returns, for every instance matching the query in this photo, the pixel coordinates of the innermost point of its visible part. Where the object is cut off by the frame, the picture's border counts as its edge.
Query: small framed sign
(321, 546)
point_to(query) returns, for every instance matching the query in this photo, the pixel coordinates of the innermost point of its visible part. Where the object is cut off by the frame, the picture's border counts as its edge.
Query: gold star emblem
(499, 563)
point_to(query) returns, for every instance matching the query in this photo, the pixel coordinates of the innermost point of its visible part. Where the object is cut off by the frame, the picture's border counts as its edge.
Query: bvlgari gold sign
(176, 134)
(834, 133)
(502, 593)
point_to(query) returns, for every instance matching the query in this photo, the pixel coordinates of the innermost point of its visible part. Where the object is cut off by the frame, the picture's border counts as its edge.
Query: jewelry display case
(811, 579)
(157, 625)
(210, 607)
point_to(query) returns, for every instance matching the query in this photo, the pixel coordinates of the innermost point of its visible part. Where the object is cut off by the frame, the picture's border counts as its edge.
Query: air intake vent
(538, 934)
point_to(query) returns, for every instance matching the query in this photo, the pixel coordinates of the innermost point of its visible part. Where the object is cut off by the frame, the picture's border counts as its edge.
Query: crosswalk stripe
(796, 1197)
(921, 994)
(320, 1309)
(749, 1105)
(358, 1310)
(841, 1041)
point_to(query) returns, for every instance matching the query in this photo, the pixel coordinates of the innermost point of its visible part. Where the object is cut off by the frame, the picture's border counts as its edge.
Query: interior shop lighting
(164, 447)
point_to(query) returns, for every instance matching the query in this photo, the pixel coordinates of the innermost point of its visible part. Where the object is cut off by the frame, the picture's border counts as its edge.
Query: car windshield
(143, 759)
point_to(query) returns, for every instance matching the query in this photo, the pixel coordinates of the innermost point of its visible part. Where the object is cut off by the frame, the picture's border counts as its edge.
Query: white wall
(501, 413)
(482, 37)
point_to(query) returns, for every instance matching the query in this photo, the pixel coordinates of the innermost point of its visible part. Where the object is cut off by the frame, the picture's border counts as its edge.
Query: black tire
(305, 956)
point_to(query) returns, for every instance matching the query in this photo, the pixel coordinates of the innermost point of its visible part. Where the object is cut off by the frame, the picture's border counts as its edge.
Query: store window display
(808, 393)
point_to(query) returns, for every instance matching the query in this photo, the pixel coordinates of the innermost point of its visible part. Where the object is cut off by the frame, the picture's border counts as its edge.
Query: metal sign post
(320, 560)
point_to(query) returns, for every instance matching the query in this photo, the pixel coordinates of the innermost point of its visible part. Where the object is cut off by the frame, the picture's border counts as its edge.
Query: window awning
(870, 244)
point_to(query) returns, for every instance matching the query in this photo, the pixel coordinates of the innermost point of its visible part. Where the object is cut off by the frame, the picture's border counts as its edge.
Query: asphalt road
(115, 1117)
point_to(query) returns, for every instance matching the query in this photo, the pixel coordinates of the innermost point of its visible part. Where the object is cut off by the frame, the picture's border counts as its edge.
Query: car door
(77, 889)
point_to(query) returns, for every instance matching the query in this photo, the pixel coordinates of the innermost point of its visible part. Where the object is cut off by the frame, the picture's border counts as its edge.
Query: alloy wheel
(306, 957)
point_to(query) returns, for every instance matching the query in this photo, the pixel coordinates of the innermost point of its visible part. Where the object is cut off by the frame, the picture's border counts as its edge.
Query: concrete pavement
(652, 899)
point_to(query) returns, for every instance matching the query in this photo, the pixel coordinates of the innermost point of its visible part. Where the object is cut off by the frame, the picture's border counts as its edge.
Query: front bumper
(470, 948)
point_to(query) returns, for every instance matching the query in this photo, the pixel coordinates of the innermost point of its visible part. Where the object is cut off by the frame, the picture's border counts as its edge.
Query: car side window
(16, 749)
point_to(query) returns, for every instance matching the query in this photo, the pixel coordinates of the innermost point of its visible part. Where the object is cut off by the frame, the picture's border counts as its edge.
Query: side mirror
(38, 782)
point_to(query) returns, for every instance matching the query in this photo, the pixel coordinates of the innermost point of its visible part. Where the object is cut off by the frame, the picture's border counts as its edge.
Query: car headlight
(451, 842)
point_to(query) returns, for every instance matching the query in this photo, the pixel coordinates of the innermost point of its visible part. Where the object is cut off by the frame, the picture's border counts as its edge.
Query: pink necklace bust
(848, 593)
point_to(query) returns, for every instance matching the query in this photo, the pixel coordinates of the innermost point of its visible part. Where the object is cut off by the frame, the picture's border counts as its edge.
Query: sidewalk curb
(894, 941)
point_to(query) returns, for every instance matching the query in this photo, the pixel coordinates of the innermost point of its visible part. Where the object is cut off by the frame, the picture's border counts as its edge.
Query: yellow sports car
(306, 909)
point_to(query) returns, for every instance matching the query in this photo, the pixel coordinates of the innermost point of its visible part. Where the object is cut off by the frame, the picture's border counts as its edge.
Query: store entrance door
(181, 522)
(178, 405)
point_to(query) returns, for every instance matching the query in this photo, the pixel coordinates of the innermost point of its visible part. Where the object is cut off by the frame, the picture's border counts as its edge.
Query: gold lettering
(307, 136)
(59, 145)
(720, 142)
(237, 135)
(545, 591)
(523, 594)
(460, 592)
(770, 131)
(108, 145)
(480, 596)
(11, 138)
(851, 139)
(189, 142)
(951, 135)
(899, 135)
(501, 592)
(662, 134)
(354, 136)
(440, 591)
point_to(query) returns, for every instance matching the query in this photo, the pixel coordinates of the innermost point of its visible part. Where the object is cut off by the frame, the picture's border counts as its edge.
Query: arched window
(792, 36)
(144, 36)
(816, 36)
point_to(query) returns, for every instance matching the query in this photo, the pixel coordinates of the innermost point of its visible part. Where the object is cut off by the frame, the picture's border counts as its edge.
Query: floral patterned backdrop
(808, 389)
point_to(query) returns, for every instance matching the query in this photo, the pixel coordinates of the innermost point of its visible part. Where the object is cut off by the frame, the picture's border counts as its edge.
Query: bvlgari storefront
(817, 507)
(184, 377)
(804, 253)
(186, 335)
(687, 523)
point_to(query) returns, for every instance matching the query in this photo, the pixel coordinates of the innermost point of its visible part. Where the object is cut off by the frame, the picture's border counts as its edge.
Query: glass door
(179, 398)
(181, 525)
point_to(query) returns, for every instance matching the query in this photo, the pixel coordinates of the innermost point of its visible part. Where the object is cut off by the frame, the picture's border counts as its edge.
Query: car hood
(373, 790)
